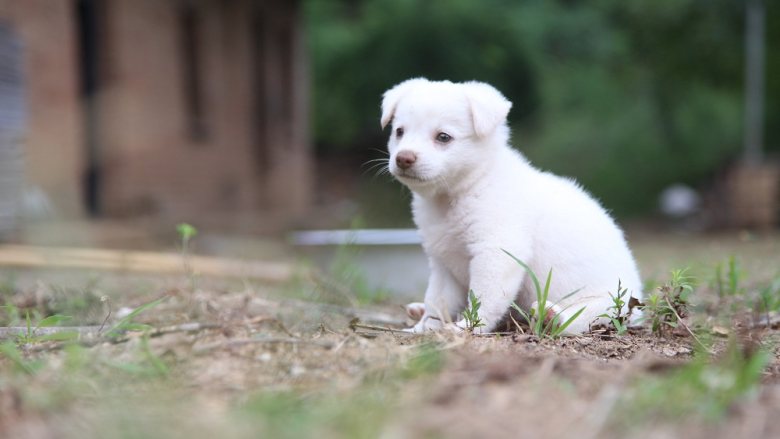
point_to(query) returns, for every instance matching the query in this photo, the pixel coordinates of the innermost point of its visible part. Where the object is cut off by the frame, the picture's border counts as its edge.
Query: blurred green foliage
(628, 96)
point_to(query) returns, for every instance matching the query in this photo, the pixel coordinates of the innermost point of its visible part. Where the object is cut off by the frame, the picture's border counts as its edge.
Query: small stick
(156, 332)
(357, 325)
(89, 335)
(766, 322)
(107, 300)
(679, 319)
(14, 331)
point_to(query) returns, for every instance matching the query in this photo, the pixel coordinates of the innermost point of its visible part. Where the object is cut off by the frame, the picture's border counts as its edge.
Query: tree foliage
(627, 96)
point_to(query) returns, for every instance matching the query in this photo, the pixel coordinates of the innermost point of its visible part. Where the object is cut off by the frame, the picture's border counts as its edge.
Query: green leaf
(159, 366)
(53, 320)
(568, 322)
(126, 324)
(186, 231)
(528, 270)
(546, 291)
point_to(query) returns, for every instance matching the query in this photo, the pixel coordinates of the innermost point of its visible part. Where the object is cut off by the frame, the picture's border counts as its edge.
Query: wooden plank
(143, 262)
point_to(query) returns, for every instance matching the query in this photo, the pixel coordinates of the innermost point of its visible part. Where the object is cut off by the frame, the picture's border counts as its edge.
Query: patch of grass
(12, 316)
(31, 335)
(345, 281)
(537, 319)
(427, 360)
(11, 352)
(768, 300)
(701, 388)
(350, 278)
(82, 303)
(362, 412)
(728, 283)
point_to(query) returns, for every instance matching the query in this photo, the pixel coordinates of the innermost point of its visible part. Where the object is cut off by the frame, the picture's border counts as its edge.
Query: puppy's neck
(466, 181)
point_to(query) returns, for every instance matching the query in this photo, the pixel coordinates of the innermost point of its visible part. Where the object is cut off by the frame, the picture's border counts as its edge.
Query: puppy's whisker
(380, 159)
(379, 169)
(374, 165)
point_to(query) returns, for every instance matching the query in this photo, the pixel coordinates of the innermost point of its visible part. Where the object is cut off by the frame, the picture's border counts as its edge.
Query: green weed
(666, 308)
(346, 281)
(768, 300)
(537, 319)
(471, 313)
(186, 233)
(31, 334)
(13, 315)
(728, 283)
(615, 312)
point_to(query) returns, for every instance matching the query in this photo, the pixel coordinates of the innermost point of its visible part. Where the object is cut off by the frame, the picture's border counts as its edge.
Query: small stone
(720, 331)
(297, 370)
(669, 352)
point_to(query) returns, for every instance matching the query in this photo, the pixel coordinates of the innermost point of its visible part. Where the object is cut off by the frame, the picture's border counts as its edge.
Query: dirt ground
(242, 359)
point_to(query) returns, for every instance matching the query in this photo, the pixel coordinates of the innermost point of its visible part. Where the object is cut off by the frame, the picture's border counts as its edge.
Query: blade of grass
(527, 269)
(127, 322)
(559, 330)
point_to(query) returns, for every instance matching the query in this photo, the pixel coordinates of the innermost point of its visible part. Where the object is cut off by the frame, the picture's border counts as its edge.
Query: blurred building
(163, 107)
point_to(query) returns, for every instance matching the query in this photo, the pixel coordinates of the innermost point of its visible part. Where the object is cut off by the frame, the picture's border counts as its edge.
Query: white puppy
(474, 196)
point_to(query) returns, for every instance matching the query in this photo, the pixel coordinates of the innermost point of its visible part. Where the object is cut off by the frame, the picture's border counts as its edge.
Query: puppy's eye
(399, 132)
(443, 138)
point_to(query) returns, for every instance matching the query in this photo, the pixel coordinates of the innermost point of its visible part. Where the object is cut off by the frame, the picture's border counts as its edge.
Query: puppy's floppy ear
(392, 96)
(489, 107)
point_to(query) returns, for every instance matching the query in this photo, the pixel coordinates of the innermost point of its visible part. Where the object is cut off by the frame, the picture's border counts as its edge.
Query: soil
(511, 384)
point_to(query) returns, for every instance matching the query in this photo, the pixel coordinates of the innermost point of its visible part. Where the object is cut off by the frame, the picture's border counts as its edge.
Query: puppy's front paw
(415, 311)
(463, 326)
(426, 324)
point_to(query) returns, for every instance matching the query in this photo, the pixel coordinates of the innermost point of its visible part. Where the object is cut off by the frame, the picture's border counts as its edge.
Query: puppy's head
(441, 130)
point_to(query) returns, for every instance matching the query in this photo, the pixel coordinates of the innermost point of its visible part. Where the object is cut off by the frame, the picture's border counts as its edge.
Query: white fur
(475, 196)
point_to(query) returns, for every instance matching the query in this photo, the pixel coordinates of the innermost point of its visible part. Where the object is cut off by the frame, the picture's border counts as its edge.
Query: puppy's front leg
(444, 299)
(496, 280)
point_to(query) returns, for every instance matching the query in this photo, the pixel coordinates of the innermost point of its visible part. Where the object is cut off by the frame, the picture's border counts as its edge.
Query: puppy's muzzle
(405, 159)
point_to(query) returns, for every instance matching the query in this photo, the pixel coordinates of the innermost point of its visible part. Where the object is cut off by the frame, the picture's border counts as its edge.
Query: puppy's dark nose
(405, 159)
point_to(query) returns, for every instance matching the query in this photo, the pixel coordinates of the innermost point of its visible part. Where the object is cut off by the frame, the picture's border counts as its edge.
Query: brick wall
(238, 153)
